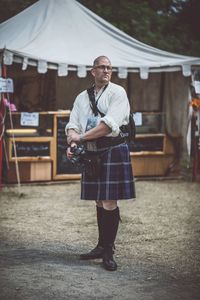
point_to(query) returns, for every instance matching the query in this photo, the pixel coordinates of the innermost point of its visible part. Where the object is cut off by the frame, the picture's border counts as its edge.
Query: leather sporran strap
(94, 102)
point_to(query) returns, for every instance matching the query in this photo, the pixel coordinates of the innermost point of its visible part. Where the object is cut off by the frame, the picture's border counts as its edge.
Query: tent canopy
(65, 35)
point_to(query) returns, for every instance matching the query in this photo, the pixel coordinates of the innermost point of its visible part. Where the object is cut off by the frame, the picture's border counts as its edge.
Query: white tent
(64, 35)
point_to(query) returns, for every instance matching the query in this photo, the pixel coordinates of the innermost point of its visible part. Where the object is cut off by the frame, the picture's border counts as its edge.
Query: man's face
(102, 71)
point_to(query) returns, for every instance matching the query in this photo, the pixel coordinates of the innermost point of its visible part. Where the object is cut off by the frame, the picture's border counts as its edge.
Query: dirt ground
(44, 228)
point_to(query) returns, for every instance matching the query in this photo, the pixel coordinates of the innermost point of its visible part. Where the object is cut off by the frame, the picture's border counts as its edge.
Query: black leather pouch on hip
(92, 166)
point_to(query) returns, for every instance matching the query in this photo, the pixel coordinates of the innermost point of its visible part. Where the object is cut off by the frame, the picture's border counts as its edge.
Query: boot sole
(109, 269)
(90, 257)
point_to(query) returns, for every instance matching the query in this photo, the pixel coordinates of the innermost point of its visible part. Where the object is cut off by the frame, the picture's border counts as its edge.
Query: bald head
(99, 58)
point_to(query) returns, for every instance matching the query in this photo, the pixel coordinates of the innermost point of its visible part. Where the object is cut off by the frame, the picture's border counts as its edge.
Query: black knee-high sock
(110, 226)
(99, 223)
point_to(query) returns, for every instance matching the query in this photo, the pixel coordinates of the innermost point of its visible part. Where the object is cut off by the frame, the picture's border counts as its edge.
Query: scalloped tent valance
(65, 35)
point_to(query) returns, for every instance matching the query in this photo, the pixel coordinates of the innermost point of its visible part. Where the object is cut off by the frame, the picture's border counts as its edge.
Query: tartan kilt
(115, 182)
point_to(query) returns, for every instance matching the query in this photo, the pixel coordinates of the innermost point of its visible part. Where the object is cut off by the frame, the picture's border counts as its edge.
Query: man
(100, 133)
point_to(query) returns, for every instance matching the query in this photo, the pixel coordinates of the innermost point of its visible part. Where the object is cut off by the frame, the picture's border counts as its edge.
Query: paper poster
(29, 119)
(197, 87)
(137, 118)
(6, 85)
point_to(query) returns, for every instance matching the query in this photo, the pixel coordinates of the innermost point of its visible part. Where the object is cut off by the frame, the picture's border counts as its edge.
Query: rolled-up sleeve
(118, 111)
(74, 117)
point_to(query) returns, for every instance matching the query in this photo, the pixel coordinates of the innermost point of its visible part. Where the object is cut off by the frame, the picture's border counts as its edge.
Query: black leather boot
(110, 226)
(97, 252)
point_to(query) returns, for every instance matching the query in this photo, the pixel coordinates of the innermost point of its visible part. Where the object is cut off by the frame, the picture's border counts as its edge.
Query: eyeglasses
(103, 67)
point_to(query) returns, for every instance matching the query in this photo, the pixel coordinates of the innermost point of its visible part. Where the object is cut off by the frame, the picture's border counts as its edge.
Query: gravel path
(44, 228)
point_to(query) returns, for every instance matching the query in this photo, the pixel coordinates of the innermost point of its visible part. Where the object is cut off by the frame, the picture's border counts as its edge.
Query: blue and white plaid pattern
(116, 181)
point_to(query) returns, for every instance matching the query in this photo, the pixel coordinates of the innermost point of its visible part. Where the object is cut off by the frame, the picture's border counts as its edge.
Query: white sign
(29, 119)
(6, 85)
(137, 118)
(197, 87)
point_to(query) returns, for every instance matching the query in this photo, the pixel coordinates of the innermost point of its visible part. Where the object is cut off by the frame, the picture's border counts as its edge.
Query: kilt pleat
(116, 180)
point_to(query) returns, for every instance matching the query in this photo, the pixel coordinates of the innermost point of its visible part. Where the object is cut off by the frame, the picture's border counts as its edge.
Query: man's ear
(93, 72)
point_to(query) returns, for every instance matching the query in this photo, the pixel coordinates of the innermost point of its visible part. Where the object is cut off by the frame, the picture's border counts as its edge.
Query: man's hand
(73, 137)
(68, 151)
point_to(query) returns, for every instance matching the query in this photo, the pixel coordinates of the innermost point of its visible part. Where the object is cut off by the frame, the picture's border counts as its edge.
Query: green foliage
(190, 15)
(171, 25)
(164, 24)
(9, 8)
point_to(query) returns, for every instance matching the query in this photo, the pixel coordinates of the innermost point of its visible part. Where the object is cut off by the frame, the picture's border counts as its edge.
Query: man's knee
(109, 204)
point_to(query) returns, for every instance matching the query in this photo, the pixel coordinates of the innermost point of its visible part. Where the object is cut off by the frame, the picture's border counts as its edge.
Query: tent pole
(4, 73)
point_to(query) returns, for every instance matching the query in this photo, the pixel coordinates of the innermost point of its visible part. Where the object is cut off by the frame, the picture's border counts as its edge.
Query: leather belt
(103, 143)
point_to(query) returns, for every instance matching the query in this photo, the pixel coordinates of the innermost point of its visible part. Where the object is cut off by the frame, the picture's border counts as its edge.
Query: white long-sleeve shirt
(113, 102)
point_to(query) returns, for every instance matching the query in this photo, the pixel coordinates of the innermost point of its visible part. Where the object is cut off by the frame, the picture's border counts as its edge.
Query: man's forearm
(100, 130)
